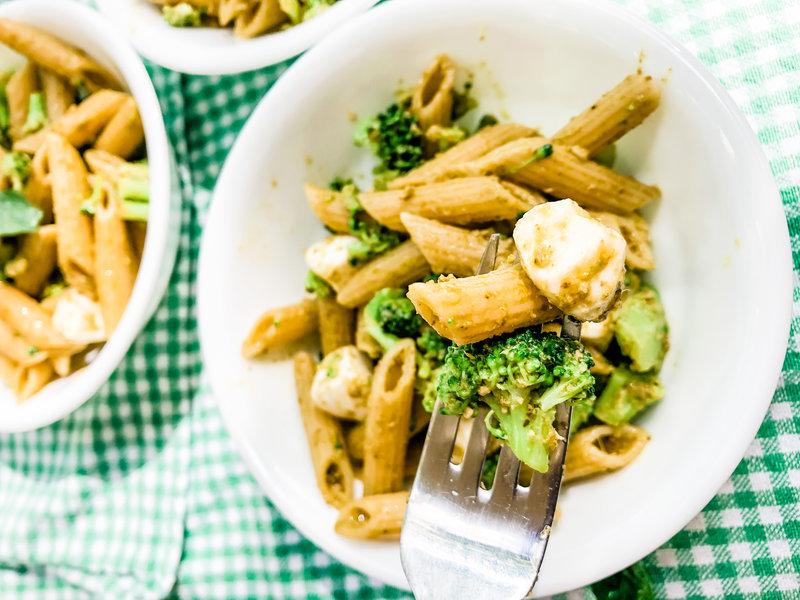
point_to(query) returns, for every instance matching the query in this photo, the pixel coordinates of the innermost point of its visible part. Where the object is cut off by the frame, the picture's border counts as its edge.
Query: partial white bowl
(721, 243)
(216, 51)
(84, 28)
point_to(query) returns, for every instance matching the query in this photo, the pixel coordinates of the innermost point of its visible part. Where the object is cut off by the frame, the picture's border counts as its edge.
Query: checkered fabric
(140, 493)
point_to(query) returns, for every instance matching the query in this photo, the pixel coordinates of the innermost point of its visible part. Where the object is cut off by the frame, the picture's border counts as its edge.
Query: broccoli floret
(626, 394)
(640, 328)
(522, 377)
(431, 350)
(373, 238)
(182, 14)
(394, 136)
(390, 316)
(16, 167)
(631, 584)
(486, 121)
(37, 113)
(316, 285)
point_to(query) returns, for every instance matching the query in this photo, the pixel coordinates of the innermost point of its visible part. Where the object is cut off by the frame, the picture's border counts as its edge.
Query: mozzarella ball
(78, 318)
(330, 259)
(341, 384)
(576, 262)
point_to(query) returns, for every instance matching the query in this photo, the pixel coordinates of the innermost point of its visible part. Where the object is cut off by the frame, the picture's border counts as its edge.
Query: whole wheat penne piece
(396, 268)
(62, 363)
(364, 341)
(37, 255)
(9, 373)
(388, 418)
(564, 174)
(457, 201)
(484, 141)
(373, 517)
(30, 320)
(81, 124)
(56, 55)
(613, 115)
(336, 324)
(474, 308)
(279, 326)
(354, 438)
(32, 379)
(70, 187)
(104, 163)
(18, 349)
(602, 448)
(58, 94)
(124, 132)
(228, 10)
(526, 197)
(332, 467)
(432, 99)
(37, 189)
(115, 261)
(636, 231)
(329, 206)
(454, 250)
(260, 17)
(18, 92)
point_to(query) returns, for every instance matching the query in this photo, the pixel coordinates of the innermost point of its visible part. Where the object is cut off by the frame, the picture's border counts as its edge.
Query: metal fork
(462, 541)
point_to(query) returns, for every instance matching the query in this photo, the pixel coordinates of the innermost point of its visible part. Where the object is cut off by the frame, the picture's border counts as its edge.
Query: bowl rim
(176, 52)
(160, 243)
(779, 318)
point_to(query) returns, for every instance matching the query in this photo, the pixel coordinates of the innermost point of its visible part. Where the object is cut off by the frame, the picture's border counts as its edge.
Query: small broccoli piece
(394, 136)
(292, 9)
(632, 281)
(486, 121)
(182, 14)
(640, 328)
(37, 113)
(373, 238)
(431, 350)
(16, 167)
(134, 182)
(607, 156)
(631, 584)
(542, 152)
(626, 394)
(53, 289)
(522, 377)
(489, 470)
(5, 118)
(316, 285)
(390, 316)
(445, 137)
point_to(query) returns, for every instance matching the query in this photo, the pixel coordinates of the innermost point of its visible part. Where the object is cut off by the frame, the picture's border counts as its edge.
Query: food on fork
(406, 327)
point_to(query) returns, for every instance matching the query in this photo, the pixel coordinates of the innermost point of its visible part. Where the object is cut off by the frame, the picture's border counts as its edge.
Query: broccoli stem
(37, 113)
(134, 187)
(182, 15)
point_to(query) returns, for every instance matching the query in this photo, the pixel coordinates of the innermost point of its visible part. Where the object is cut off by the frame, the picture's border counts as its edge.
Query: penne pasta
(17, 349)
(388, 418)
(364, 341)
(58, 94)
(602, 448)
(18, 93)
(636, 231)
(104, 163)
(332, 467)
(454, 250)
(458, 201)
(474, 308)
(30, 320)
(617, 112)
(396, 268)
(9, 373)
(32, 379)
(228, 10)
(354, 438)
(124, 132)
(329, 206)
(115, 261)
(526, 197)
(36, 258)
(279, 326)
(50, 52)
(38, 190)
(432, 100)
(373, 517)
(262, 16)
(336, 324)
(70, 187)
(483, 142)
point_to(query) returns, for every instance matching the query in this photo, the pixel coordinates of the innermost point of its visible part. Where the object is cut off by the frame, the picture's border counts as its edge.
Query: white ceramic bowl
(720, 239)
(209, 51)
(84, 28)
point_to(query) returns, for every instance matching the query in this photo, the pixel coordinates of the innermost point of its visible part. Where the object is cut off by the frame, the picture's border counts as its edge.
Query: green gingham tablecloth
(140, 493)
